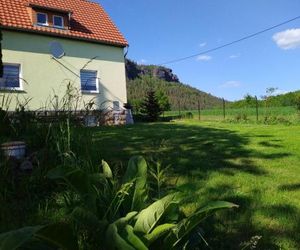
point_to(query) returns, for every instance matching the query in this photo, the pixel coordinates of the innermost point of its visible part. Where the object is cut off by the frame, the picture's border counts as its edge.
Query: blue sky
(163, 30)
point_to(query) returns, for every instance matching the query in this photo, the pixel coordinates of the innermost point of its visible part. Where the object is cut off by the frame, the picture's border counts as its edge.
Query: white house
(49, 45)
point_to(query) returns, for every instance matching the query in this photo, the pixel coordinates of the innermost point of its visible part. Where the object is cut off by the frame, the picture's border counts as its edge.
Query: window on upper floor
(58, 22)
(11, 77)
(89, 81)
(42, 19)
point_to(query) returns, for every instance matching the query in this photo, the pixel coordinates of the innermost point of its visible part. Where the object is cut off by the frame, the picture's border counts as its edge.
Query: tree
(249, 100)
(163, 101)
(151, 107)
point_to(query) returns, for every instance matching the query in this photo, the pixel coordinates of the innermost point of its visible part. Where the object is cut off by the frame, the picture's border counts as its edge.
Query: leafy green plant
(158, 178)
(107, 214)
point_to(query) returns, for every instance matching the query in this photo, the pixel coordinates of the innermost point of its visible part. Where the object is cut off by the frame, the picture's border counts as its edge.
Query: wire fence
(246, 114)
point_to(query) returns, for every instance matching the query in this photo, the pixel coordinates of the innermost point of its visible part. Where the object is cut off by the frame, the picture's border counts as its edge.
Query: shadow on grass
(196, 152)
(290, 187)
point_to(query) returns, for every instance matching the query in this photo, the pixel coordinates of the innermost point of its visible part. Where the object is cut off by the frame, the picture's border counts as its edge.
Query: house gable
(82, 19)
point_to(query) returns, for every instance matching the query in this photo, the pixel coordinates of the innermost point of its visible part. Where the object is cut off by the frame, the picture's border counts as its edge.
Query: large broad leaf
(14, 239)
(106, 170)
(133, 239)
(137, 173)
(148, 218)
(113, 238)
(59, 235)
(115, 241)
(158, 232)
(184, 227)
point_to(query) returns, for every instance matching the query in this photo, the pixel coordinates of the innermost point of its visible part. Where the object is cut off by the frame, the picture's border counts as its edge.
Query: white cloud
(234, 56)
(231, 84)
(203, 58)
(280, 92)
(288, 39)
(202, 45)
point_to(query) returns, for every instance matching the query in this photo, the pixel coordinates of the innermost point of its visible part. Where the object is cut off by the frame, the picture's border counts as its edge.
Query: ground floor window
(11, 77)
(116, 105)
(89, 81)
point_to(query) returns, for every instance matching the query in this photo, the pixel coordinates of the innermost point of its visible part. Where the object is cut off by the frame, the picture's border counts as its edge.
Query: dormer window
(42, 19)
(58, 22)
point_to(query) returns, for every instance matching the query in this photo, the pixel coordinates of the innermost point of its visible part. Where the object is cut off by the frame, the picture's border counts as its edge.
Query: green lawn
(255, 166)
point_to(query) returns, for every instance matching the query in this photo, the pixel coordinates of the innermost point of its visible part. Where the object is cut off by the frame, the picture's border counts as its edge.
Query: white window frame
(62, 19)
(20, 88)
(42, 24)
(97, 82)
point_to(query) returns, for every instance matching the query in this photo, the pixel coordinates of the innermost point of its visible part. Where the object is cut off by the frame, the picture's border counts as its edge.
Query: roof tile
(89, 20)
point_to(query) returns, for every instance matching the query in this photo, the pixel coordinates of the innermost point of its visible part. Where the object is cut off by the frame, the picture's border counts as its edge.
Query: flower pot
(14, 149)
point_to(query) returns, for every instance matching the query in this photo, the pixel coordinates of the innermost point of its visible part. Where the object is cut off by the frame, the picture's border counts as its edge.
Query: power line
(231, 43)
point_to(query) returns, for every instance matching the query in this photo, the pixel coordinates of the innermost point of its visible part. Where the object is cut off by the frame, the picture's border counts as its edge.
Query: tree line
(180, 96)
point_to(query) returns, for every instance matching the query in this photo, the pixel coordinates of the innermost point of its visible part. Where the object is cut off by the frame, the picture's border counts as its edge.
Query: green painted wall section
(44, 80)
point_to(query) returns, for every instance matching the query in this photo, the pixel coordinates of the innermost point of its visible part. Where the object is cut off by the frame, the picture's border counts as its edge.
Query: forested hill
(141, 78)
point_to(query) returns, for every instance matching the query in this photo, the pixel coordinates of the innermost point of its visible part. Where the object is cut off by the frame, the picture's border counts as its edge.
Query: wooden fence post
(224, 113)
(199, 110)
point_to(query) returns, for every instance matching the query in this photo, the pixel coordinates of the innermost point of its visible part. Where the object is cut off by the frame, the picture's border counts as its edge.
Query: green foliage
(179, 95)
(178, 234)
(158, 178)
(59, 235)
(151, 107)
(149, 217)
(136, 173)
(163, 101)
(297, 102)
(283, 100)
(143, 226)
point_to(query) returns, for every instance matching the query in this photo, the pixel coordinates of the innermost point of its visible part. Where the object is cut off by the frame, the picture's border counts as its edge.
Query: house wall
(44, 80)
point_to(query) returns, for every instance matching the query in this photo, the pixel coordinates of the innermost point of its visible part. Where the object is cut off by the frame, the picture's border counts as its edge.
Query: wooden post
(256, 108)
(199, 110)
(224, 114)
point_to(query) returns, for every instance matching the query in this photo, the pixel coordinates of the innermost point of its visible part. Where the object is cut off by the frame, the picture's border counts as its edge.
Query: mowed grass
(254, 166)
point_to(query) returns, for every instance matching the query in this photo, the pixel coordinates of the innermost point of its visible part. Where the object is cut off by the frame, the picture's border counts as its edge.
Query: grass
(289, 113)
(255, 166)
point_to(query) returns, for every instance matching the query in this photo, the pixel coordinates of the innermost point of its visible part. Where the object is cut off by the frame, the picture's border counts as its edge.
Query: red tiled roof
(89, 21)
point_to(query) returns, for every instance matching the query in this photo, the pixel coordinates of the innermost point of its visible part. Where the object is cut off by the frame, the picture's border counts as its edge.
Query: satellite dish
(56, 50)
